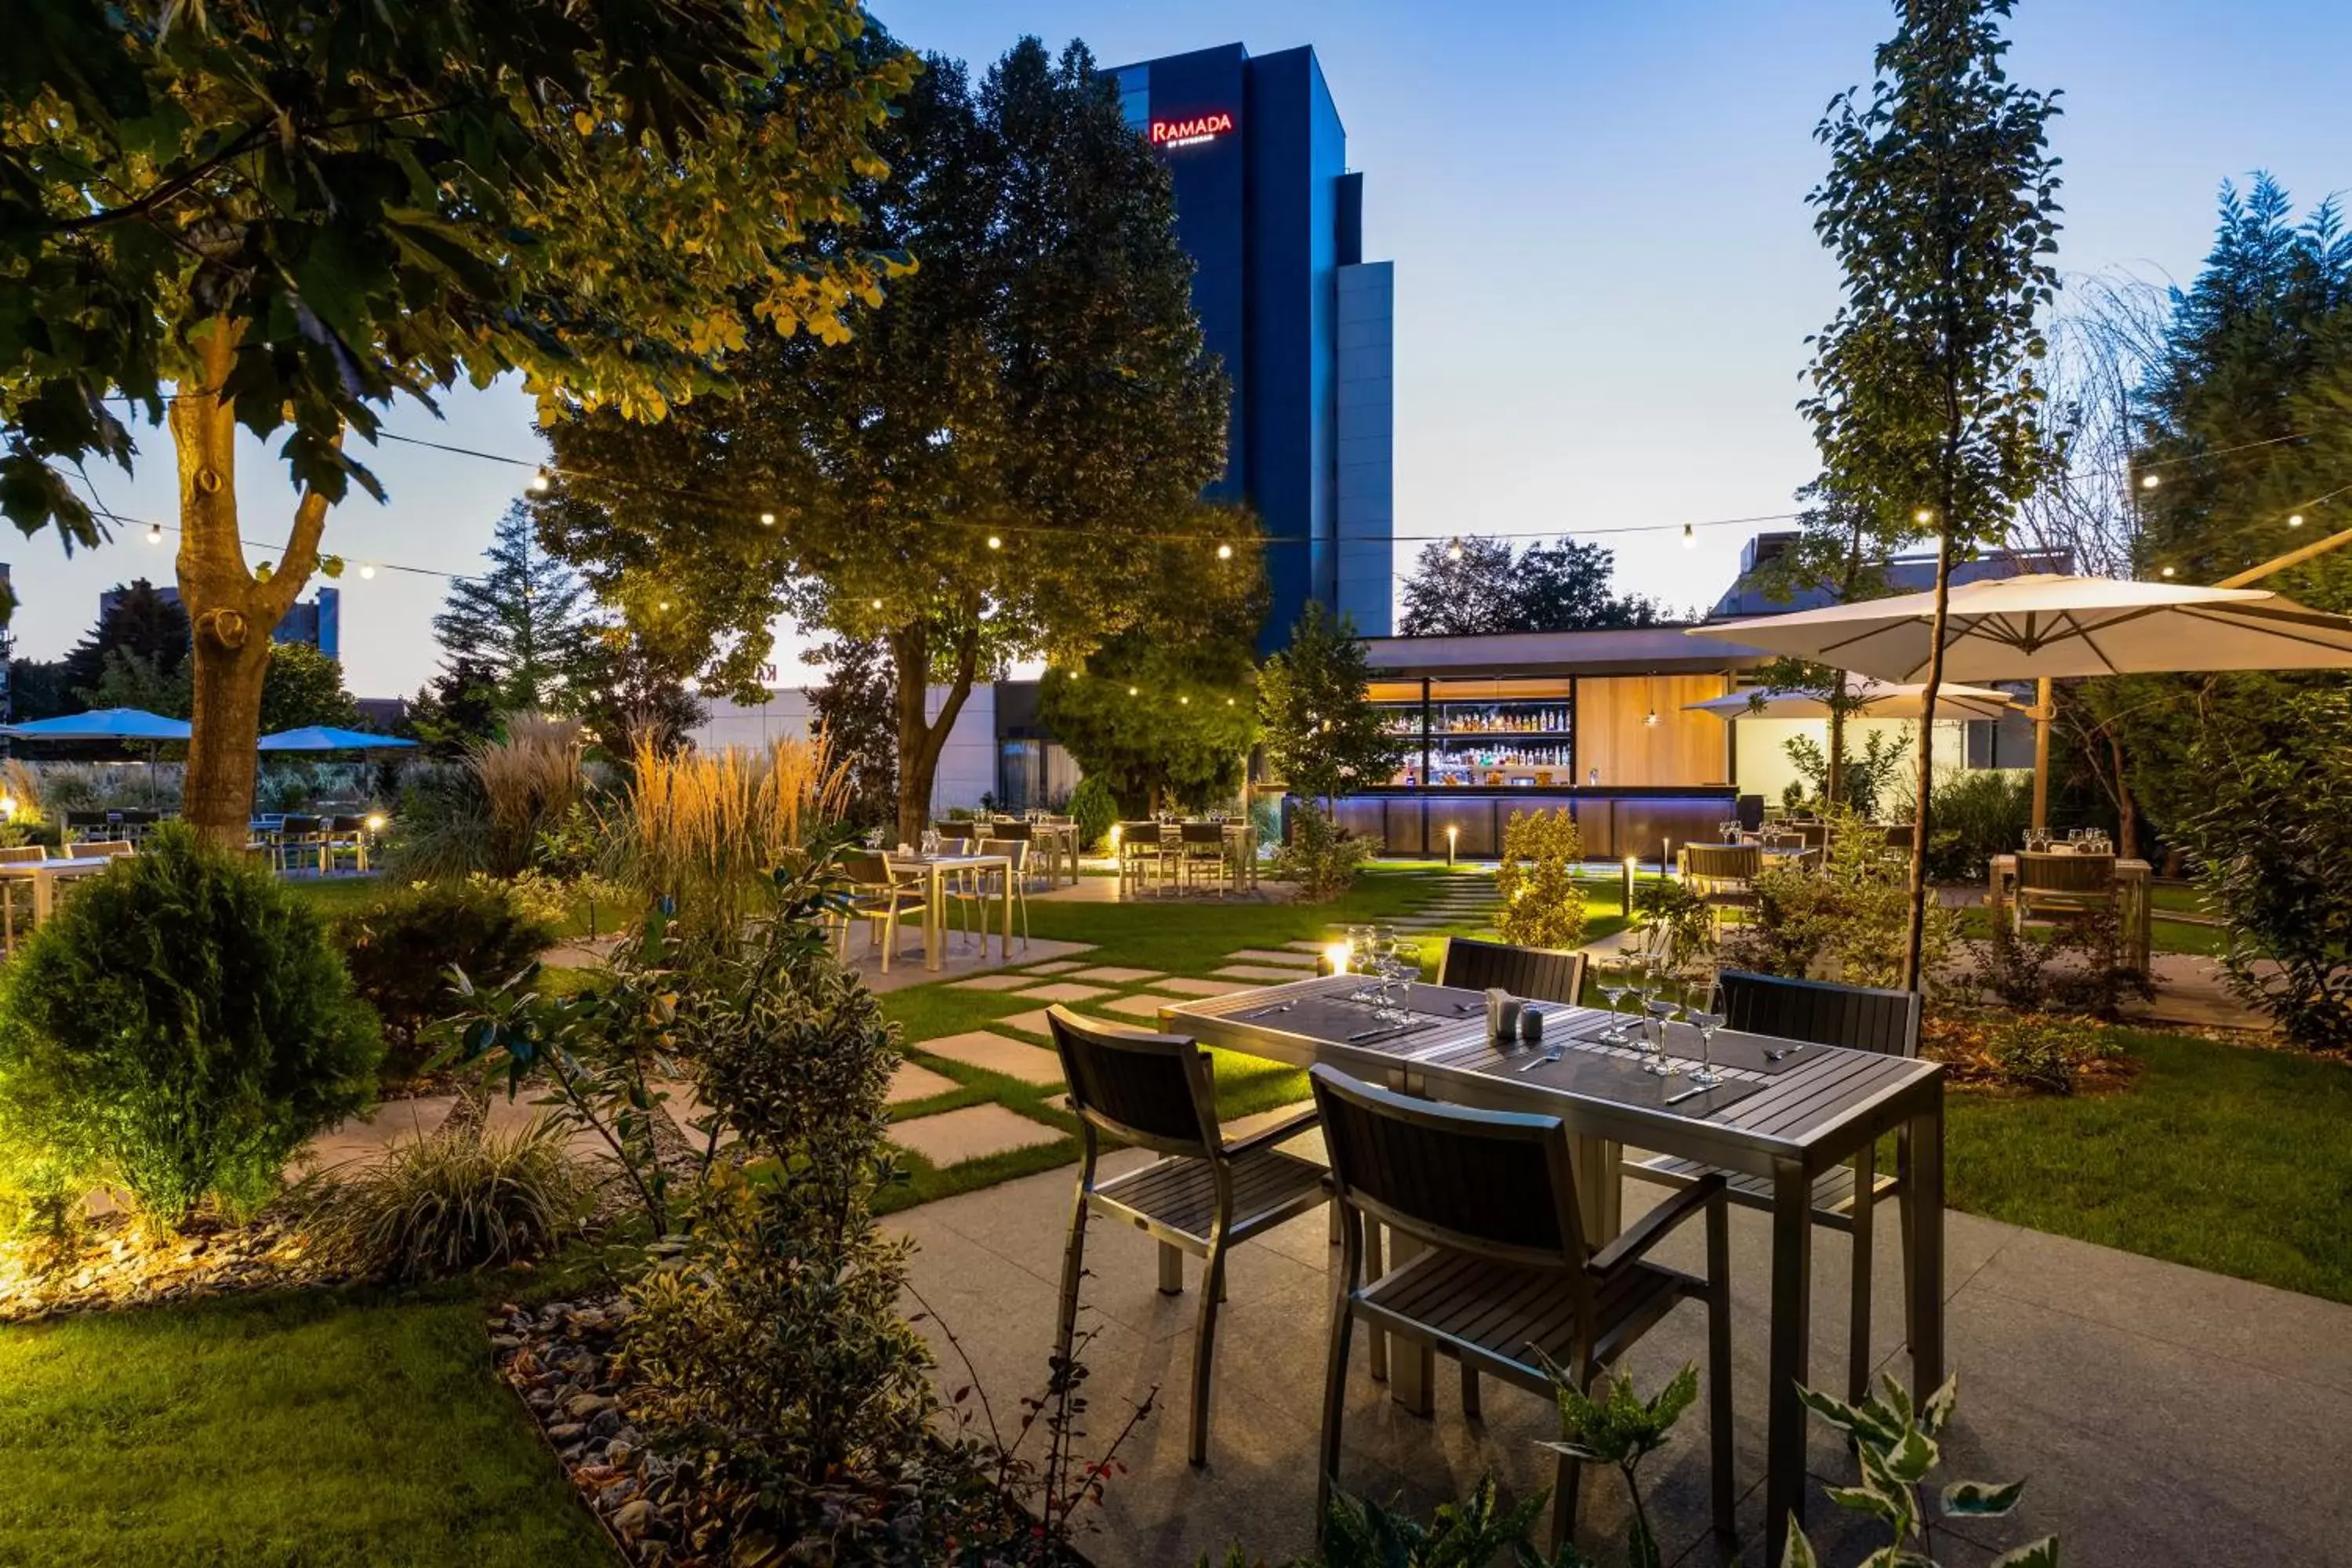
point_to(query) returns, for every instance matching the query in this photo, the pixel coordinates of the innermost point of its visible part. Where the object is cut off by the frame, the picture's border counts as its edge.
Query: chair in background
(1203, 849)
(986, 888)
(1507, 1273)
(84, 824)
(1844, 1199)
(2062, 882)
(880, 896)
(1009, 832)
(1540, 973)
(1812, 830)
(103, 848)
(300, 838)
(1204, 1195)
(959, 832)
(1723, 875)
(1139, 857)
(344, 838)
(16, 855)
(1749, 810)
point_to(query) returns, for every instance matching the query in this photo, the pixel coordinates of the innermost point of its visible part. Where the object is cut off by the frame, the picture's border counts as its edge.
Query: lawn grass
(304, 1431)
(2220, 1157)
(334, 897)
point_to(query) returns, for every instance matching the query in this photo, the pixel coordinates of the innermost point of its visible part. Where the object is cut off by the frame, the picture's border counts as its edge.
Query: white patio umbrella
(1878, 699)
(2045, 625)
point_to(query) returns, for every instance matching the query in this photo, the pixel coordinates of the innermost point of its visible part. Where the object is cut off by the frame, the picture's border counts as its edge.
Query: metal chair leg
(1171, 1270)
(1074, 1253)
(1334, 1370)
(1376, 1340)
(1865, 1183)
(1204, 1348)
(1718, 1362)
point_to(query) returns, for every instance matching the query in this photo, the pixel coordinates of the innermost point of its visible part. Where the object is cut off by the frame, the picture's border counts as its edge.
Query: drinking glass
(1384, 947)
(1614, 983)
(930, 841)
(1703, 1010)
(1660, 1004)
(1408, 970)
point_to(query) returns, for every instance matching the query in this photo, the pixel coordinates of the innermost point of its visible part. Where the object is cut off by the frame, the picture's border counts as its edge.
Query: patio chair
(1201, 846)
(1205, 1194)
(879, 896)
(1749, 811)
(1508, 1279)
(2061, 881)
(16, 855)
(1844, 1199)
(1140, 857)
(983, 888)
(1812, 830)
(956, 832)
(1723, 875)
(103, 848)
(1540, 973)
(344, 838)
(300, 837)
(81, 823)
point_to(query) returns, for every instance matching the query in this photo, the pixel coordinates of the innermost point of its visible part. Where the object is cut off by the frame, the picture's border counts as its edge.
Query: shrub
(1864, 777)
(402, 947)
(1979, 813)
(1094, 808)
(1675, 923)
(453, 1204)
(1322, 858)
(442, 828)
(1850, 915)
(1898, 1452)
(182, 1025)
(2079, 969)
(1543, 906)
(704, 830)
(2029, 1051)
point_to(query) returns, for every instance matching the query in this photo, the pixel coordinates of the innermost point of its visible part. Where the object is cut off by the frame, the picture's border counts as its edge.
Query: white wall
(967, 765)
(1757, 748)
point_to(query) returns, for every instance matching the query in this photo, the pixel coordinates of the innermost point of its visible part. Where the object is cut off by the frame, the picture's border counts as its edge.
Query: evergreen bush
(402, 947)
(1094, 808)
(181, 1025)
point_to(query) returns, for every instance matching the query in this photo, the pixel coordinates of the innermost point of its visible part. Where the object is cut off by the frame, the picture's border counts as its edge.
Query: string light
(1131, 691)
(541, 481)
(767, 520)
(2168, 572)
(2295, 520)
(154, 533)
(1225, 553)
(1690, 537)
(1454, 549)
(2149, 481)
(1184, 702)
(1923, 517)
(877, 605)
(994, 543)
(367, 569)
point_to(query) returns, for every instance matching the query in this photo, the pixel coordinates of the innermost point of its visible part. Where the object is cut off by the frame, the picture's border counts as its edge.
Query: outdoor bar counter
(1597, 723)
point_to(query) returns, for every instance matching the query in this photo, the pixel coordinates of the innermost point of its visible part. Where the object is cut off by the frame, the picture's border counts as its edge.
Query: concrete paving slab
(990, 983)
(1284, 957)
(1307, 947)
(1192, 986)
(1266, 971)
(363, 1140)
(1142, 1005)
(912, 1081)
(995, 1053)
(1064, 991)
(1061, 966)
(1116, 974)
(974, 1132)
(1029, 1023)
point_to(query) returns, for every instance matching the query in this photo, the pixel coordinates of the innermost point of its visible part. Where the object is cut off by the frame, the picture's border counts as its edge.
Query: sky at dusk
(1605, 267)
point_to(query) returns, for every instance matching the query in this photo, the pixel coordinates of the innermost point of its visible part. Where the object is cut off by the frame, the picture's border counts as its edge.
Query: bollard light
(1453, 837)
(1334, 959)
(1632, 864)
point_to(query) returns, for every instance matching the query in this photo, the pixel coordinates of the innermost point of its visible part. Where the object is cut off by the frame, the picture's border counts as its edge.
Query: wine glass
(1615, 982)
(1660, 1002)
(1408, 970)
(1703, 1009)
(1360, 961)
(1384, 943)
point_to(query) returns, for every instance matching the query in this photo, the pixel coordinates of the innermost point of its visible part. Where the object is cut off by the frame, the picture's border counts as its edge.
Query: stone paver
(974, 1132)
(913, 1081)
(1257, 972)
(1064, 991)
(363, 1140)
(1062, 966)
(994, 1053)
(1192, 986)
(1313, 947)
(990, 983)
(1283, 956)
(1116, 974)
(1029, 1023)
(506, 1118)
(1138, 1006)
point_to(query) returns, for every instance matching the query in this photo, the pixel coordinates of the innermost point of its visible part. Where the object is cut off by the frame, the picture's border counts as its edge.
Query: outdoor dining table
(1059, 841)
(2131, 893)
(935, 871)
(45, 876)
(1786, 1114)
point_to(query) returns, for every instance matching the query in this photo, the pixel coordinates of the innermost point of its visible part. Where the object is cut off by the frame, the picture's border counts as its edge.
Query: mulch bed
(116, 1268)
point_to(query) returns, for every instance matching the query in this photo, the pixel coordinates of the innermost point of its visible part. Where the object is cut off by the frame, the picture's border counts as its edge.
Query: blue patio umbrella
(327, 738)
(102, 724)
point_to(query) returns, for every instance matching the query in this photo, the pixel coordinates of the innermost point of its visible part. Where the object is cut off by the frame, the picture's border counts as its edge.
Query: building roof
(1643, 650)
(1904, 574)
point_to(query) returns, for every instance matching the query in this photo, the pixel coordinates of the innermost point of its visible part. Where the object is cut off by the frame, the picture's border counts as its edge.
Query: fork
(1549, 1056)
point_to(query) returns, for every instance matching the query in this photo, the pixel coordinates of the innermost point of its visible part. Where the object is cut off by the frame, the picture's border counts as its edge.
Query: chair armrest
(1280, 1132)
(1655, 1226)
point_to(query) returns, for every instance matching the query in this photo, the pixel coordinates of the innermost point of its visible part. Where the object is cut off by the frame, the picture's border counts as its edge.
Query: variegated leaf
(2042, 1553)
(1979, 1500)
(1798, 1552)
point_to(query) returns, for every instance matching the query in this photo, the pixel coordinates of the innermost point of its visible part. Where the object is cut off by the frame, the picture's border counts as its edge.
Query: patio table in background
(45, 876)
(936, 869)
(2132, 894)
(1777, 1127)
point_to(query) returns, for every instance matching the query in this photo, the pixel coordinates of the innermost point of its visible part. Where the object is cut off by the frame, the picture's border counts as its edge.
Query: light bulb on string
(154, 533)
(541, 482)
(1690, 537)
(1923, 517)
(367, 569)
(876, 604)
(1184, 702)
(1131, 691)
(767, 520)
(1454, 549)
(2166, 571)
(994, 543)
(1225, 553)
(2295, 520)
(2149, 481)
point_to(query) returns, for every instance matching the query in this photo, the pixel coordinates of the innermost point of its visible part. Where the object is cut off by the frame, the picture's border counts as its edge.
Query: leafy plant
(1675, 924)
(1850, 913)
(1979, 813)
(400, 949)
(1094, 809)
(1322, 732)
(1898, 1450)
(181, 1024)
(1543, 904)
(1623, 1429)
(456, 1203)
(1358, 1532)
(2079, 968)
(2030, 1051)
(1862, 778)
(1322, 859)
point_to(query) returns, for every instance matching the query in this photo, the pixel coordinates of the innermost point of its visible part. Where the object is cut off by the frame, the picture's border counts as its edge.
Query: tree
(991, 464)
(1322, 732)
(521, 620)
(1940, 206)
(129, 680)
(294, 213)
(302, 686)
(455, 708)
(37, 690)
(1464, 587)
(636, 694)
(857, 710)
(1565, 587)
(139, 621)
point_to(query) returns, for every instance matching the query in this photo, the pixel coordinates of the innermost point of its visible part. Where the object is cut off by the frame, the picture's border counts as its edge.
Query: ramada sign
(1192, 132)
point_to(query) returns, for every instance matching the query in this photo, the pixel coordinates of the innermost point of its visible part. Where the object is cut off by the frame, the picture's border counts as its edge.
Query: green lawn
(285, 1432)
(336, 896)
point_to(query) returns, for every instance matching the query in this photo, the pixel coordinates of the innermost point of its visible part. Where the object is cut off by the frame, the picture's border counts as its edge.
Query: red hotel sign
(1192, 132)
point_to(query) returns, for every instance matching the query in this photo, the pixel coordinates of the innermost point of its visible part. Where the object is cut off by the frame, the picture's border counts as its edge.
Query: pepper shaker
(1530, 1027)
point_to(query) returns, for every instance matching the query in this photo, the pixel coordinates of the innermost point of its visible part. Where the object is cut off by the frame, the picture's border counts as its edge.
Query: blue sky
(1605, 268)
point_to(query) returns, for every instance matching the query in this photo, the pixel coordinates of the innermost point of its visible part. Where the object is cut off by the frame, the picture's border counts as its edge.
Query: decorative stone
(913, 1081)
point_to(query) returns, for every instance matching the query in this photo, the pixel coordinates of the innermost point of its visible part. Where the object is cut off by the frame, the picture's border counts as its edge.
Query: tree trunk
(1833, 785)
(1914, 935)
(230, 612)
(921, 740)
(2126, 809)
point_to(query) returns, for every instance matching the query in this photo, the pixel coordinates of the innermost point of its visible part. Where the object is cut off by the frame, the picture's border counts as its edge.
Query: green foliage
(1896, 1448)
(303, 687)
(1321, 857)
(1850, 914)
(1674, 924)
(1359, 1533)
(1979, 813)
(2080, 968)
(182, 1025)
(1183, 737)
(1543, 903)
(128, 680)
(141, 624)
(456, 1202)
(1862, 778)
(857, 710)
(1094, 808)
(2273, 842)
(1623, 1429)
(1040, 381)
(400, 948)
(1465, 588)
(2032, 1052)
(1322, 732)
(521, 621)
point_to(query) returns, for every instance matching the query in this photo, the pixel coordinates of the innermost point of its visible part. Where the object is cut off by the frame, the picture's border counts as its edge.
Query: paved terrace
(2159, 1415)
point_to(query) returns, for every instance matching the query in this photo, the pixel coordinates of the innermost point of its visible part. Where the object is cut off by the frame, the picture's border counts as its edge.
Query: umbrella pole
(2042, 713)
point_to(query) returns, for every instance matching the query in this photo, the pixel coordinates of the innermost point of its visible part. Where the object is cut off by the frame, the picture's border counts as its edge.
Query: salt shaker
(1530, 1027)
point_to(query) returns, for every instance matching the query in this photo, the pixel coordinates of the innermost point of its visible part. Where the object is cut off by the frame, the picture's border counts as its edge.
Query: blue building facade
(1274, 222)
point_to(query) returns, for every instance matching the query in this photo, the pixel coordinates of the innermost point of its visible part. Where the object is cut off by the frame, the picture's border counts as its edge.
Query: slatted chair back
(1012, 832)
(1815, 833)
(1137, 836)
(23, 855)
(2066, 873)
(294, 826)
(1822, 1014)
(866, 869)
(1539, 972)
(103, 849)
(1749, 811)
(1496, 1184)
(1014, 849)
(1724, 862)
(1212, 834)
(947, 830)
(1153, 1090)
(1902, 836)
